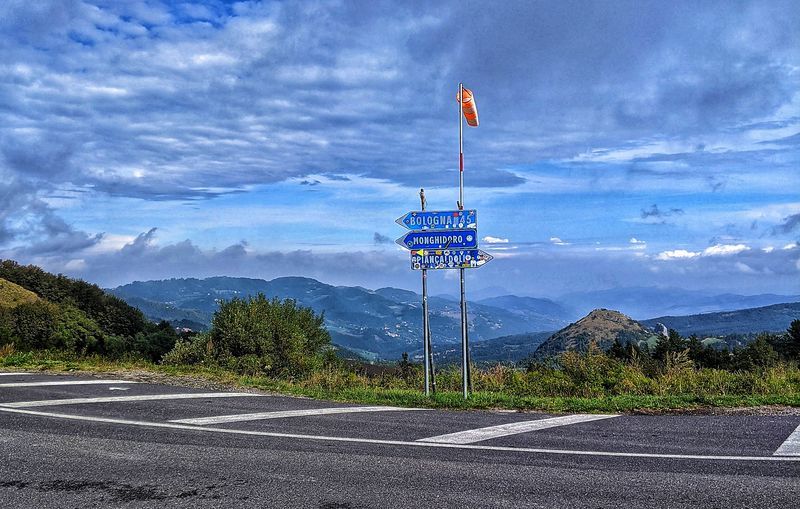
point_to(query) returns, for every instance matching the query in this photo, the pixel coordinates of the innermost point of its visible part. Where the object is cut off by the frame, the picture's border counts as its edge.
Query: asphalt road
(131, 452)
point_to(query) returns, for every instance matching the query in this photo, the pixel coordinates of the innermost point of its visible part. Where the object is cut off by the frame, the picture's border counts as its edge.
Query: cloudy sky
(621, 143)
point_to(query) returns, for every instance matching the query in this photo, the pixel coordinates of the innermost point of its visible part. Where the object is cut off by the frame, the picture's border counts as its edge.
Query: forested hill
(775, 318)
(112, 313)
(40, 310)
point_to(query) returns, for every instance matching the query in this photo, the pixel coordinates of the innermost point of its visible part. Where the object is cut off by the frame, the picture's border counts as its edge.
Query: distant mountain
(602, 326)
(645, 302)
(548, 315)
(775, 318)
(378, 324)
(506, 349)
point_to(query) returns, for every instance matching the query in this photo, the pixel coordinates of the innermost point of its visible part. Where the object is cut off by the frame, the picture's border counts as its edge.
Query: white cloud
(743, 267)
(789, 246)
(724, 249)
(634, 240)
(557, 241)
(715, 250)
(495, 240)
(676, 254)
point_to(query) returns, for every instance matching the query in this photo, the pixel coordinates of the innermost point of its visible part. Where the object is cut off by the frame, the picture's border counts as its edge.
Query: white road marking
(228, 431)
(221, 419)
(790, 447)
(118, 388)
(5, 373)
(481, 434)
(65, 382)
(116, 399)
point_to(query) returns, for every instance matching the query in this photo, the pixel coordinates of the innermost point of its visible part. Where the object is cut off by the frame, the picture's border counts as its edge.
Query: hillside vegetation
(57, 312)
(12, 295)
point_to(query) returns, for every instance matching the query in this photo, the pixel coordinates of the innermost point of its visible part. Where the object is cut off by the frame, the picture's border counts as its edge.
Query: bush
(259, 335)
(155, 342)
(194, 350)
(757, 355)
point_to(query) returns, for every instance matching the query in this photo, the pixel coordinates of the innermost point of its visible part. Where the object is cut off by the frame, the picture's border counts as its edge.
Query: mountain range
(376, 324)
(643, 303)
(774, 318)
(384, 323)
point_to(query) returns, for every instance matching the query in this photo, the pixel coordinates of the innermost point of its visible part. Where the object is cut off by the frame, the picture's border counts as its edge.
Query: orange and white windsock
(468, 107)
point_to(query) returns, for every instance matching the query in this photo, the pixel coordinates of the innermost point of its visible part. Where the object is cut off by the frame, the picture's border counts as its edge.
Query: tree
(156, 342)
(406, 368)
(757, 355)
(793, 340)
(617, 351)
(706, 356)
(673, 342)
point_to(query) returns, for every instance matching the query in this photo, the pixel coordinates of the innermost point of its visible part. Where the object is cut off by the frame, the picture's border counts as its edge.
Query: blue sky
(621, 143)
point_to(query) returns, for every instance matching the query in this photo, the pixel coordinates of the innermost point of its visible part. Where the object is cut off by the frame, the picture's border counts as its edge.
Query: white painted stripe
(514, 428)
(221, 419)
(5, 373)
(122, 399)
(64, 382)
(529, 450)
(791, 447)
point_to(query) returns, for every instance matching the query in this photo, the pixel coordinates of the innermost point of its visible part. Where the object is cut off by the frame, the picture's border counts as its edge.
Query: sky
(621, 143)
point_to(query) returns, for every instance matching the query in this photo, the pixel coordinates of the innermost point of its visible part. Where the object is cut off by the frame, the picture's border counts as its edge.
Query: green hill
(12, 295)
(40, 311)
(601, 326)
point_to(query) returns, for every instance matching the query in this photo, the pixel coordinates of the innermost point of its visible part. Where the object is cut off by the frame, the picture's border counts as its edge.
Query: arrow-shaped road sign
(441, 220)
(449, 258)
(439, 239)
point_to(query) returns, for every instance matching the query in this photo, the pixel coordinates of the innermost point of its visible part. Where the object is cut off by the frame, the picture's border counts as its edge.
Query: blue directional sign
(449, 258)
(441, 220)
(439, 239)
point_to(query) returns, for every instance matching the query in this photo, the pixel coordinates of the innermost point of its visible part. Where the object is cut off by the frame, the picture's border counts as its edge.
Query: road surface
(79, 441)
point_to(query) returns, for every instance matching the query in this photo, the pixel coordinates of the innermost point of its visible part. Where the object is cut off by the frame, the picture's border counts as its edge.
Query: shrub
(757, 355)
(259, 335)
(194, 350)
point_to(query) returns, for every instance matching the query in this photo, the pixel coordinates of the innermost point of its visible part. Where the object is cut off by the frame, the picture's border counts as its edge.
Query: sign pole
(430, 359)
(445, 239)
(464, 345)
(425, 330)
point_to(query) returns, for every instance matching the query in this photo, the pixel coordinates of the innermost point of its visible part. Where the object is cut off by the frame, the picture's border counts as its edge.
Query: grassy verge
(367, 391)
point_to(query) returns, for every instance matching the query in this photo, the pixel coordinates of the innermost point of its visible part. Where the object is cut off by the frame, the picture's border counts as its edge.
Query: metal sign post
(446, 240)
(425, 329)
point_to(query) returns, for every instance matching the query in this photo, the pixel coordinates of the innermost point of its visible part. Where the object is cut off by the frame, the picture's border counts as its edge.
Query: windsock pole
(464, 340)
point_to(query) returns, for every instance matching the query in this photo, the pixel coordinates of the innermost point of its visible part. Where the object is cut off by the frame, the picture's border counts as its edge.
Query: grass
(496, 388)
(12, 295)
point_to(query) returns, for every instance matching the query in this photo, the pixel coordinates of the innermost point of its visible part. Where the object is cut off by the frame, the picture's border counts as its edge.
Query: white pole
(464, 345)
